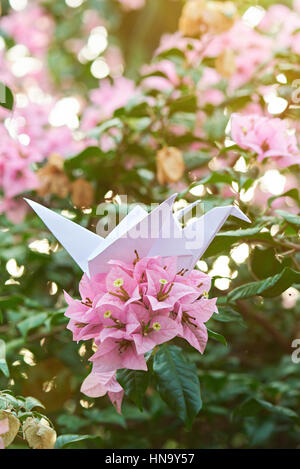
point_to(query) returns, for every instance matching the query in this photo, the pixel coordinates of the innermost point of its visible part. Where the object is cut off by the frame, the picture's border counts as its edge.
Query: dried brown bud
(82, 193)
(39, 434)
(191, 19)
(199, 17)
(52, 178)
(220, 16)
(14, 425)
(170, 165)
(225, 63)
(56, 160)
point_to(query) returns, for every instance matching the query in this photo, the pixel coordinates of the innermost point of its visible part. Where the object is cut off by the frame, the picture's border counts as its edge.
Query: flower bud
(225, 63)
(53, 179)
(14, 425)
(82, 193)
(199, 17)
(38, 434)
(220, 16)
(191, 20)
(170, 165)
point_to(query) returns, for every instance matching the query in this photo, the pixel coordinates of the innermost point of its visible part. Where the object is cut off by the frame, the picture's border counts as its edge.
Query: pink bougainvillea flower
(91, 288)
(142, 265)
(15, 210)
(98, 384)
(116, 399)
(79, 311)
(148, 329)
(267, 137)
(122, 286)
(31, 27)
(117, 353)
(110, 97)
(162, 83)
(163, 291)
(132, 309)
(191, 318)
(199, 280)
(18, 178)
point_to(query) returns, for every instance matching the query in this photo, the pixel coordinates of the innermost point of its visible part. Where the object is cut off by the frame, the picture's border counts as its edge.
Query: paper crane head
(158, 233)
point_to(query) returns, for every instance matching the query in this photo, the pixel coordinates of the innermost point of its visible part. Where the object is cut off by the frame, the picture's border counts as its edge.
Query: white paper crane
(158, 233)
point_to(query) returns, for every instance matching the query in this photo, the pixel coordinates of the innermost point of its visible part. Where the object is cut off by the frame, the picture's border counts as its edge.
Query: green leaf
(138, 124)
(228, 314)
(72, 422)
(289, 217)
(215, 125)
(270, 287)
(217, 336)
(134, 384)
(171, 54)
(269, 266)
(108, 416)
(6, 97)
(32, 322)
(216, 178)
(177, 383)
(10, 301)
(90, 153)
(4, 367)
(32, 402)
(64, 441)
(184, 104)
(252, 406)
(223, 241)
(106, 125)
(195, 159)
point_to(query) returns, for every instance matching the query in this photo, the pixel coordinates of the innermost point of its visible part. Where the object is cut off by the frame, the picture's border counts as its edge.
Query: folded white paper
(158, 233)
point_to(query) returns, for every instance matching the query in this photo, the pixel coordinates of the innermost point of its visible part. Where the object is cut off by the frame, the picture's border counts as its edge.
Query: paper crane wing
(200, 233)
(78, 241)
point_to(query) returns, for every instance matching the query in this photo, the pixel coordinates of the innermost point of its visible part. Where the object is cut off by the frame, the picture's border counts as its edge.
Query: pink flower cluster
(250, 47)
(283, 22)
(106, 99)
(31, 27)
(16, 176)
(267, 137)
(132, 309)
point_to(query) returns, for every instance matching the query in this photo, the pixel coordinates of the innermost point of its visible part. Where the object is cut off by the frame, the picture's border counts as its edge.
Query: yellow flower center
(107, 314)
(156, 326)
(163, 281)
(118, 282)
